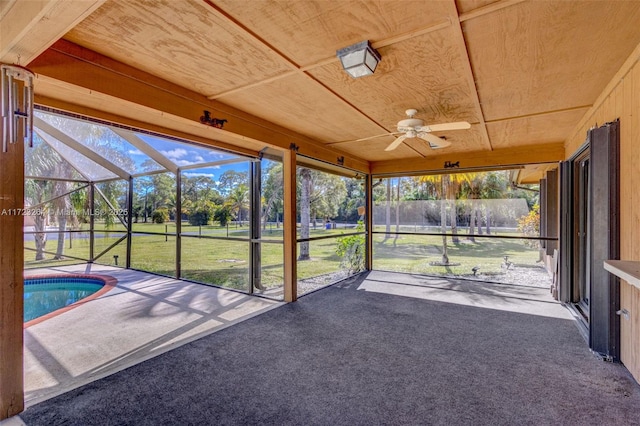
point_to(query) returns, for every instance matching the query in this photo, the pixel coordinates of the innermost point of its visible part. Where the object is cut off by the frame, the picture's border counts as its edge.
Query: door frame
(603, 328)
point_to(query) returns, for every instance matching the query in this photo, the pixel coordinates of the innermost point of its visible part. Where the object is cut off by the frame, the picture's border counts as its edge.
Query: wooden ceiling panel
(548, 56)
(425, 73)
(374, 148)
(302, 105)
(537, 66)
(415, 148)
(185, 43)
(87, 102)
(534, 130)
(28, 28)
(310, 31)
(532, 173)
(462, 141)
(465, 6)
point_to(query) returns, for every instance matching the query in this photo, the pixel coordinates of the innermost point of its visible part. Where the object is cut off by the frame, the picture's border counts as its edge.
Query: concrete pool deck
(143, 316)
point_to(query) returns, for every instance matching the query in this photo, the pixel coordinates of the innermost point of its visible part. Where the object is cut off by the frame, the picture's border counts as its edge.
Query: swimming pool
(51, 295)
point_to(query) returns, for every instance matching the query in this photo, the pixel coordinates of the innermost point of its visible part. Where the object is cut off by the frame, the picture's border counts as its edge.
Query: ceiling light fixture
(359, 59)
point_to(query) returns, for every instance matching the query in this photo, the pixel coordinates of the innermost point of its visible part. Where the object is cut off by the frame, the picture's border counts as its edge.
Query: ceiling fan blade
(396, 143)
(377, 136)
(458, 125)
(433, 141)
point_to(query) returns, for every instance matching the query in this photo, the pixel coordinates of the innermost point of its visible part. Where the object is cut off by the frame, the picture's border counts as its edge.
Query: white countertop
(628, 270)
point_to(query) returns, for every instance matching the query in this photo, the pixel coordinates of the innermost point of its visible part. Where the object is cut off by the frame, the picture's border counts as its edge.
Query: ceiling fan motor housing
(409, 124)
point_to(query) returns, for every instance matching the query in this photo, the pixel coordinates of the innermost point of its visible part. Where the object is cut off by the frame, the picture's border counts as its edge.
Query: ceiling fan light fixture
(359, 59)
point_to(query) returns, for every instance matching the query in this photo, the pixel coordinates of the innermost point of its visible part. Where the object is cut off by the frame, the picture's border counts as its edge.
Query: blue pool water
(45, 295)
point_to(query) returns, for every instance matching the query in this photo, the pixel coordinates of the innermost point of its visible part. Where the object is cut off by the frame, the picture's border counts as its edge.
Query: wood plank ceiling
(522, 72)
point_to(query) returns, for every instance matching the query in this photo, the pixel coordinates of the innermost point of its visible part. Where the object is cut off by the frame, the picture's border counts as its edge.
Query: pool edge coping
(109, 283)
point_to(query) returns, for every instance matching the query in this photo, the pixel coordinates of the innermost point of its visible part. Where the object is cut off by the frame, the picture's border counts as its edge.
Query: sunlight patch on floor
(526, 300)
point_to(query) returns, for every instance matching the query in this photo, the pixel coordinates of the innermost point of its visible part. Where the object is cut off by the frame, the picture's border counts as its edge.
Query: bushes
(160, 215)
(223, 215)
(352, 251)
(200, 217)
(529, 225)
(205, 215)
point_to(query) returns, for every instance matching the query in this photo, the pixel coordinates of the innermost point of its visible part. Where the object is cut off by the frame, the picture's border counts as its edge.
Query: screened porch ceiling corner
(523, 73)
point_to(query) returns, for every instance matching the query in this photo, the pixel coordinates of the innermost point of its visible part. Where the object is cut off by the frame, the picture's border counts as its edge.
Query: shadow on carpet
(346, 357)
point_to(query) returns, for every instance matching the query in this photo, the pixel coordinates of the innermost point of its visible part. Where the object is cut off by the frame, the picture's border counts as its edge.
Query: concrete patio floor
(144, 316)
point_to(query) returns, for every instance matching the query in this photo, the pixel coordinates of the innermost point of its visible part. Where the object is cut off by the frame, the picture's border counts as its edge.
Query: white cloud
(196, 174)
(175, 153)
(215, 154)
(135, 152)
(198, 159)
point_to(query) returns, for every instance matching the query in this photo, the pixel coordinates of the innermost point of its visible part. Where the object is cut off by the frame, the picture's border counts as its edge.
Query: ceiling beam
(333, 59)
(73, 65)
(503, 157)
(305, 71)
(490, 8)
(458, 36)
(538, 114)
(28, 28)
(297, 69)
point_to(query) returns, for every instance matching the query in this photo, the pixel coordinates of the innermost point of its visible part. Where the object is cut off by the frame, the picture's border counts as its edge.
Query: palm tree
(321, 195)
(272, 193)
(305, 210)
(446, 188)
(238, 200)
(440, 185)
(388, 211)
(61, 204)
(444, 200)
(473, 182)
(493, 187)
(42, 161)
(35, 195)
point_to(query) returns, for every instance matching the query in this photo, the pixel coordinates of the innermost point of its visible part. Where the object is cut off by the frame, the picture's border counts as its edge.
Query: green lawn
(226, 262)
(415, 254)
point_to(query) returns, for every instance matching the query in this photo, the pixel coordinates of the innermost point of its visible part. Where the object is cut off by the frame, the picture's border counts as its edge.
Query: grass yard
(225, 263)
(416, 253)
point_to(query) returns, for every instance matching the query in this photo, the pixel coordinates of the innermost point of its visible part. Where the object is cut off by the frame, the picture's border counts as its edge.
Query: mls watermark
(64, 212)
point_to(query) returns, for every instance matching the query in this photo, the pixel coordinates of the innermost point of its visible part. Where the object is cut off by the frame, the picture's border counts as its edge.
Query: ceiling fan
(415, 128)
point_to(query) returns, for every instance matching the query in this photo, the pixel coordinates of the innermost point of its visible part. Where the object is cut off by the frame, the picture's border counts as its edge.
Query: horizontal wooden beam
(136, 90)
(504, 157)
(148, 125)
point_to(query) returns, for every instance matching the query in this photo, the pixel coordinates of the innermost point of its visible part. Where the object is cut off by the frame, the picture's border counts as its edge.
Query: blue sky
(112, 147)
(183, 154)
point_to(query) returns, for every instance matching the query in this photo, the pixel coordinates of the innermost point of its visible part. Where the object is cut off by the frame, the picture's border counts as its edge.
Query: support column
(255, 252)
(92, 222)
(129, 222)
(178, 220)
(368, 222)
(11, 282)
(289, 226)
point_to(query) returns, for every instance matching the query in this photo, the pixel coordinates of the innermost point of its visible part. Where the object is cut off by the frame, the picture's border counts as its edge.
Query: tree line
(322, 197)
